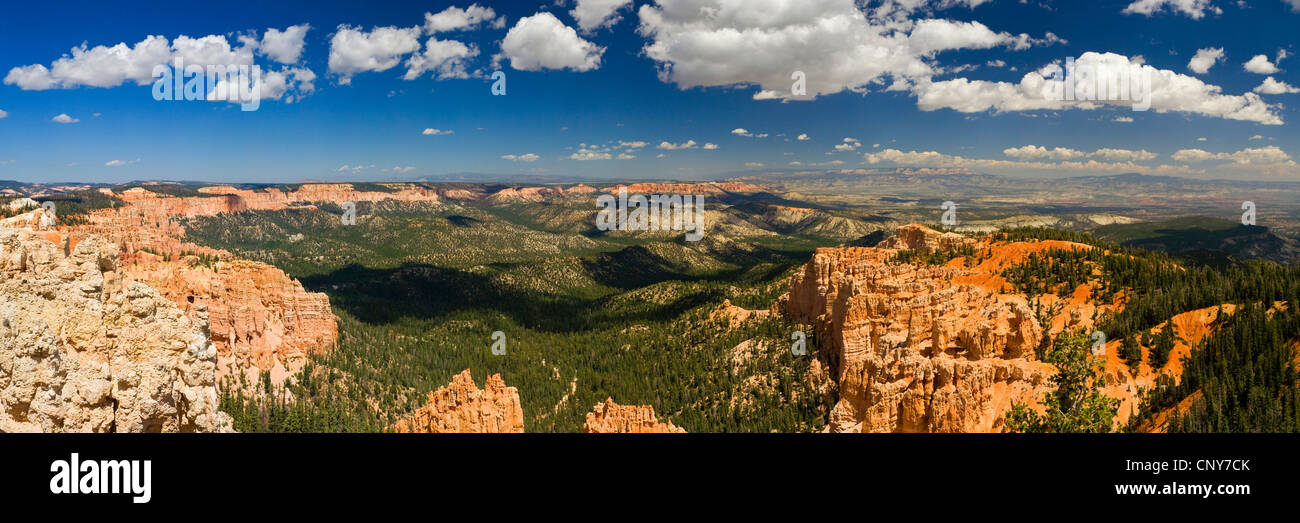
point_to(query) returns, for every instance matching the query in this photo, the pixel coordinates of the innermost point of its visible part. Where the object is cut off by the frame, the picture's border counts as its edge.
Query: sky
(664, 89)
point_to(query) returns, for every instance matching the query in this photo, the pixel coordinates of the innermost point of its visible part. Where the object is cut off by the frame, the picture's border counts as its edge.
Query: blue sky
(932, 84)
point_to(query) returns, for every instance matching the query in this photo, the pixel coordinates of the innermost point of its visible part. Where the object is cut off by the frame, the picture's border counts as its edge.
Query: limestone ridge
(83, 349)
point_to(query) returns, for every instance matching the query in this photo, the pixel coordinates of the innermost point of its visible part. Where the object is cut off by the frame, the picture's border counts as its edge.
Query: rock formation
(463, 407)
(918, 348)
(610, 418)
(261, 319)
(84, 349)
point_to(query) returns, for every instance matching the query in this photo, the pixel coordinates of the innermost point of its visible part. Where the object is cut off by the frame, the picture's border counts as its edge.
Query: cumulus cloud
(107, 67)
(1196, 9)
(588, 154)
(542, 41)
(64, 118)
(3, 114)
(355, 51)
(436, 132)
(1271, 86)
(669, 146)
(1270, 155)
(740, 131)
(1034, 152)
(284, 46)
(457, 19)
(1259, 64)
(848, 144)
(288, 84)
(526, 158)
(803, 137)
(1124, 155)
(595, 14)
(837, 46)
(1170, 92)
(98, 66)
(941, 160)
(1205, 59)
(120, 163)
(709, 146)
(446, 58)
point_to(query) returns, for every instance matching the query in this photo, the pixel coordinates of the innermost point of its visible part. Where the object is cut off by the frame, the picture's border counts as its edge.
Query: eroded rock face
(83, 349)
(913, 351)
(611, 418)
(261, 319)
(463, 407)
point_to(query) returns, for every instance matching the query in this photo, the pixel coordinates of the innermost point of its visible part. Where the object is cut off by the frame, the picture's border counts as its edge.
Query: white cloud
(669, 146)
(587, 154)
(64, 118)
(595, 14)
(1260, 65)
(288, 84)
(633, 145)
(753, 164)
(739, 131)
(3, 114)
(457, 19)
(1034, 152)
(803, 137)
(1124, 155)
(937, 159)
(542, 41)
(1196, 9)
(1271, 86)
(436, 132)
(849, 144)
(1295, 5)
(284, 46)
(120, 163)
(1123, 119)
(355, 51)
(99, 66)
(709, 146)
(107, 67)
(1270, 155)
(1205, 59)
(447, 58)
(1170, 92)
(834, 43)
(526, 158)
